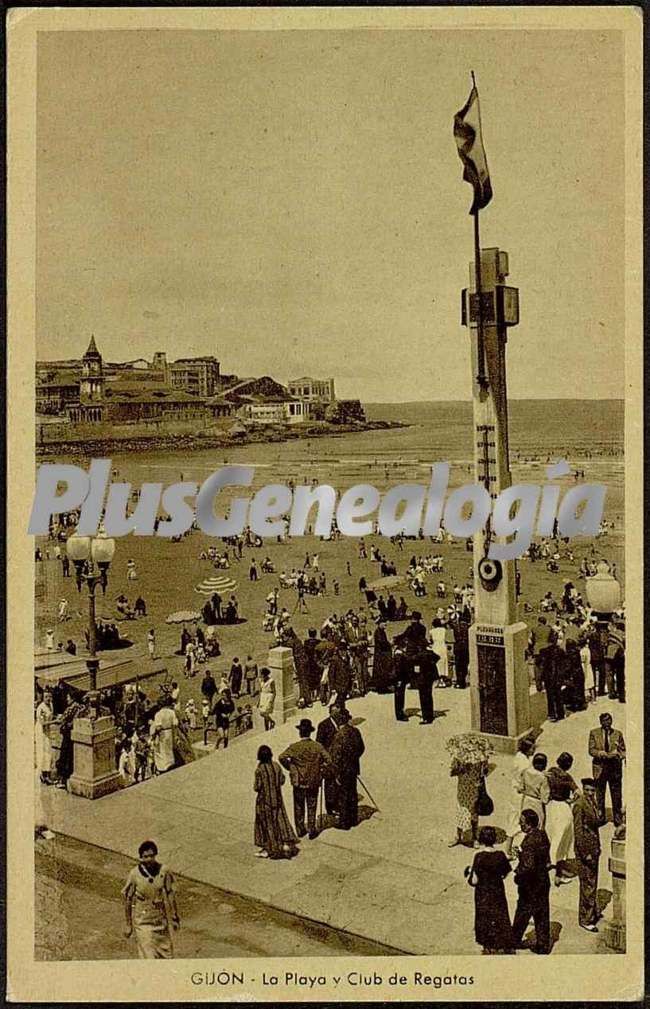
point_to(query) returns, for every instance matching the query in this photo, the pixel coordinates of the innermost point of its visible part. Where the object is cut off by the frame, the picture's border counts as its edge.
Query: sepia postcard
(325, 514)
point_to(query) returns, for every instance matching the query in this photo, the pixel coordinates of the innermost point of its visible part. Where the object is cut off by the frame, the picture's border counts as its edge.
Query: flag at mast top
(469, 140)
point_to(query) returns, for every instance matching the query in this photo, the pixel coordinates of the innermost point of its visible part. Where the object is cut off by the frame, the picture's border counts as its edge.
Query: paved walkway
(80, 916)
(393, 879)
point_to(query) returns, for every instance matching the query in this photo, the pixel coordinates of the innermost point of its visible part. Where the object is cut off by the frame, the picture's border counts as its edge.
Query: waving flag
(467, 131)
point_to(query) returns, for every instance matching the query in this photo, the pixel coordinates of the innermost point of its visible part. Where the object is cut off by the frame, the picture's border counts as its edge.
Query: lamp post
(603, 592)
(91, 557)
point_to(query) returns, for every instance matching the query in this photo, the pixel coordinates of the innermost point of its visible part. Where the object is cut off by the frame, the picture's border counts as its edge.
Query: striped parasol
(218, 584)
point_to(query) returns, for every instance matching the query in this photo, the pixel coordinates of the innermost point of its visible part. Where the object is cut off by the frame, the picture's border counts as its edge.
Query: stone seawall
(98, 442)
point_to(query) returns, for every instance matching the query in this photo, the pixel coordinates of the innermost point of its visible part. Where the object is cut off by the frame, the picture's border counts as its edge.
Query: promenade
(393, 879)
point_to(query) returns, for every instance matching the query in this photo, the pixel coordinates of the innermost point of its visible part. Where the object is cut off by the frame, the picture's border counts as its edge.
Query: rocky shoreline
(102, 447)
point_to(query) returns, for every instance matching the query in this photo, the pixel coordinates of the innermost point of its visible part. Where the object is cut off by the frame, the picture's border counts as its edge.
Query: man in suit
(347, 747)
(615, 658)
(553, 673)
(586, 824)
(426, 671)
(542, 637)
(411, 651)
(533, 884)
(357, 641)
(325, 732)
(313, 669)
(607, 752)
(307, 763)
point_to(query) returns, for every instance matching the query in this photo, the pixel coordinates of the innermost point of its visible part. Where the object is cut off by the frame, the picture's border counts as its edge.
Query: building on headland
(312, 390)
(265, 401)
(200, 376)
(93, 391)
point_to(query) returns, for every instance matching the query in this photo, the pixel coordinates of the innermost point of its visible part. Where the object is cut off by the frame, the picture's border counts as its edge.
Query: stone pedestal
(282, 670)
(499, 684)
(614, 930)
(94, 772)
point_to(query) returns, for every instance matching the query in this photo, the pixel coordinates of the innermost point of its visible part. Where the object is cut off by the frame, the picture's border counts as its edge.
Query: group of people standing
(552, 835)
(327, 766)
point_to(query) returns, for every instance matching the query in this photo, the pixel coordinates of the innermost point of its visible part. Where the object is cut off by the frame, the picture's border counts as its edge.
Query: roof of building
(206, 359)
(163, 394)
(63, 379)
(92, 349)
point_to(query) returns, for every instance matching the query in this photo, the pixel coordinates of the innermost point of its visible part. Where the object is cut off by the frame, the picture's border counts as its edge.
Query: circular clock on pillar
(490, 572)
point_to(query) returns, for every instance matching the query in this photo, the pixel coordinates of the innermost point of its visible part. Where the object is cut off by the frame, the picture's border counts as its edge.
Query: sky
(292, 202)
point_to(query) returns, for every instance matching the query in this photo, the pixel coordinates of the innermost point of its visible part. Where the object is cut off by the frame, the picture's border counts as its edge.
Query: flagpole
(481, 377)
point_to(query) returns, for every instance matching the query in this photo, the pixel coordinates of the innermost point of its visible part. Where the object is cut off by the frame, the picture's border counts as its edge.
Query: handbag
(484, 804)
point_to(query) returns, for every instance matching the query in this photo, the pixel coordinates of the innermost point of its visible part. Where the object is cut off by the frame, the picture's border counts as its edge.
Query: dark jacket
(347, 747)
(307, 763)
(413, 640)
(313, 668)
(208, 687)
(585, 828)
(531, 875)
(222, 711)
(326, 731)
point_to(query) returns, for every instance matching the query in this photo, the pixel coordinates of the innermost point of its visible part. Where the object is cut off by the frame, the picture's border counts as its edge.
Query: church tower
(92, 374)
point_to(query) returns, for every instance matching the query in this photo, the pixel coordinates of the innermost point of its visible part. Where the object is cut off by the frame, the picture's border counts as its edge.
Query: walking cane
(360, 780)
(320, 803)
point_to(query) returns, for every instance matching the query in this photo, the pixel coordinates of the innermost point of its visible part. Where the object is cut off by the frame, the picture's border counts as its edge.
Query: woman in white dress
(438, 641)
(44, 715)
(559, 816)
(267, 698)
(520, 763)
(535, 787)
(588, 670)
(162, 735)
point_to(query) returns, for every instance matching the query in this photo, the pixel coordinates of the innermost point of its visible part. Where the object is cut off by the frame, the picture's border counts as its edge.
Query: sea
(589, 434)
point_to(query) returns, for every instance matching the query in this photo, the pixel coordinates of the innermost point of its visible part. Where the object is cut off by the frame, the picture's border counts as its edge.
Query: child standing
(190, 712)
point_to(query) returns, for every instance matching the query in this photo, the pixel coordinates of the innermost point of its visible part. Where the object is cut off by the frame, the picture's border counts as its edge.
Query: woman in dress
(223, 710)
(163, 728)
(150, 905)
(274, 835)
(535, 788)
(470, 765)
(559, 816)
(382, 664)
(520, 762)
(266, 700)
(438, 641)
(65, 763)
(44, 715)
(587, 669)
(492, 927)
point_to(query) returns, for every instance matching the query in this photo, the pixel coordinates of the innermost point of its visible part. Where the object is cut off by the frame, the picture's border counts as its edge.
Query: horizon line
(511, 399)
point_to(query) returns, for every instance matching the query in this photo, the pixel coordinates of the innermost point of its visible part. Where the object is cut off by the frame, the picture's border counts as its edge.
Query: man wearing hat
(325, 733)
(307, 763)
(346, 749)
(586, 824)
(416, 662)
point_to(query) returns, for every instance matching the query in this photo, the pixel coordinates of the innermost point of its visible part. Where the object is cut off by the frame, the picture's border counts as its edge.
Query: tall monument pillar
(499, 686)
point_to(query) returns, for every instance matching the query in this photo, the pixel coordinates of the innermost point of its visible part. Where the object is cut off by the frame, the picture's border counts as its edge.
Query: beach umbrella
(218, 584)
(183, 617)
(388, 582)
